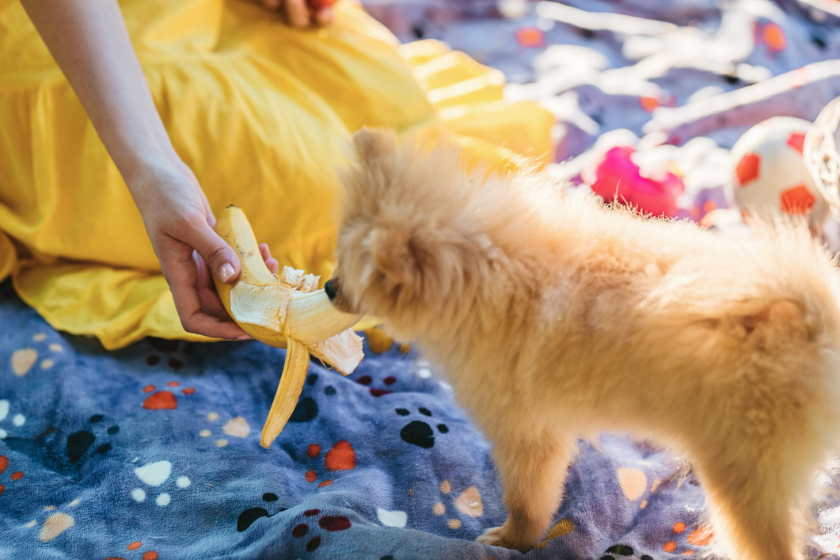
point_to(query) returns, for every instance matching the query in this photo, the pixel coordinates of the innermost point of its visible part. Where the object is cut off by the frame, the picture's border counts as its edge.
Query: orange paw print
(164, 400)
(342, 457)
(136, 545)
(15, 476)
(699, 537)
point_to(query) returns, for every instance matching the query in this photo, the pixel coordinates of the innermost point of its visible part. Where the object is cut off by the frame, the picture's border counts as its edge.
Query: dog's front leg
(533, 471)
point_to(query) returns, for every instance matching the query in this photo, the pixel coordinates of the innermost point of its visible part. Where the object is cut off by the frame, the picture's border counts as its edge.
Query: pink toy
(617, 177)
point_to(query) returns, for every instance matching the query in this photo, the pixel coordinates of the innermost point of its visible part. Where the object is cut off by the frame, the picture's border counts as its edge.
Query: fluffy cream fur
(556, 317)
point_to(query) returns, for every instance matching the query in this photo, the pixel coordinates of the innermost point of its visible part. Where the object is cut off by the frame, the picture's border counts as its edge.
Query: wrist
(141, 168)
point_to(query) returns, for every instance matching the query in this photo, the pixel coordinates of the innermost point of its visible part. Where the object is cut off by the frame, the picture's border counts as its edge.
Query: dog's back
(554, 316)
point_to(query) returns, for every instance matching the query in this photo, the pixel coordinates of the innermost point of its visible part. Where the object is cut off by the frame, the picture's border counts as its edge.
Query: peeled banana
(285, 311)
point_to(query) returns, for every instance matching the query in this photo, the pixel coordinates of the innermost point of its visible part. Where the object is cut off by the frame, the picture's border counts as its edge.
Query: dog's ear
(372, 143)
(393, 253)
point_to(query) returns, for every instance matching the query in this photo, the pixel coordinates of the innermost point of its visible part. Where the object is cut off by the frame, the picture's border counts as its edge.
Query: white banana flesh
(286, 311)
(311, 315)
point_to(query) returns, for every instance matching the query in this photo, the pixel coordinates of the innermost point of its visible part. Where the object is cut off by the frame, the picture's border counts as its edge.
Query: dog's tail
(780, 280)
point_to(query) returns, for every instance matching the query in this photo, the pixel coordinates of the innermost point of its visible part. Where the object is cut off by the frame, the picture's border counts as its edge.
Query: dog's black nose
(329, 287)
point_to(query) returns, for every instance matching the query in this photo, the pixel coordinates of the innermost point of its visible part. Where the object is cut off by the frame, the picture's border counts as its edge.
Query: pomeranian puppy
(555, 317)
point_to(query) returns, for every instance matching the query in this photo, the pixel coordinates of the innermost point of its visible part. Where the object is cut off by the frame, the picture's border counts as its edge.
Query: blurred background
(649, 97)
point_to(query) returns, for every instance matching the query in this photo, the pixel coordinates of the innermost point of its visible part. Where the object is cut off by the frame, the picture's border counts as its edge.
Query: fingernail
(244, 337)
(226, 272)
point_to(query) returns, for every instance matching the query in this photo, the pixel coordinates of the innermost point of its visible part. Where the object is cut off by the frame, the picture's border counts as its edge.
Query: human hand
(180, 224)
(302, 13)
(90, 43)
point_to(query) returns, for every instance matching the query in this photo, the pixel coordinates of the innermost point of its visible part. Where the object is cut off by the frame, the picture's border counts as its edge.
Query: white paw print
(18, 420)
(155, 475)
(424, 369)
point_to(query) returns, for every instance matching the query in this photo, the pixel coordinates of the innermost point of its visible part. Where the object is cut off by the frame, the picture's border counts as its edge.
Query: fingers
(219, 256)
(272, 264)
(207, 296)
(324, 16)
(211, 218)
(203, 324)
(181, 275)
(297, 12)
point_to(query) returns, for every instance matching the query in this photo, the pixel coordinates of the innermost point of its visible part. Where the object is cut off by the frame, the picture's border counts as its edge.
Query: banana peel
(285, 311)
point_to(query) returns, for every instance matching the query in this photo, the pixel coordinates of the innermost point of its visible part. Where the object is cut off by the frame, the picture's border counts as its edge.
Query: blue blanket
(153, 451)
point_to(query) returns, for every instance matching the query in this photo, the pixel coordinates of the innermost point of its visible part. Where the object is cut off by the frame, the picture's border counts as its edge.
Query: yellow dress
(259, 111)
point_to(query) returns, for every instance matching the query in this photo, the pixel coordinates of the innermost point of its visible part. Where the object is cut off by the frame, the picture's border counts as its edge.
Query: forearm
(90, 43)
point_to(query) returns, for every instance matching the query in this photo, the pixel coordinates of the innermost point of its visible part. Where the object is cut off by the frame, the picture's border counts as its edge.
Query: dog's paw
(493, 537)
(501, 536)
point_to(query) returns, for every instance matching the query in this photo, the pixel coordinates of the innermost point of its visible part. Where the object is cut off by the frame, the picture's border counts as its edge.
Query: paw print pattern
(15, 476)
(307, 407)
(699, 537)
(374, 392)
(423, 369)
(342, 457)
(18, 420)
(155, 475)
(236, 427)
(620, 550)
(468, 503)
(633, 483)
(78, 443)
(24, 359)
(170, 349)
(419, 432)
(250, 515)
(56, 523)
(392, 518)
(329, 523)
(310, 409)
(165, 399)
(137, 545)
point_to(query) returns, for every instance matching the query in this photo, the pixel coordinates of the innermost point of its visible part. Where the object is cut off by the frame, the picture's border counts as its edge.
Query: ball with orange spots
(773, 36)
(649, 104)
(769, 175)
(530, 37)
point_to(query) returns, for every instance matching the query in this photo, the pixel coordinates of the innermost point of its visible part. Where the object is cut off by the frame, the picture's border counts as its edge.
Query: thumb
(219, 256)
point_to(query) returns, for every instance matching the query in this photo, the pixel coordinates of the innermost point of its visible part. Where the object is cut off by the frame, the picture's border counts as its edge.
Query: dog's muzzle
(331, 289)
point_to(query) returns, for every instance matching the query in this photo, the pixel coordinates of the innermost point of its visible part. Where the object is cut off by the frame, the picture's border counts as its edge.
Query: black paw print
(307, 409)
(327, 522)
(329, 390)
(168, 347)
(418, 432)
(78, 443)
(621, 550)
(247, 517)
